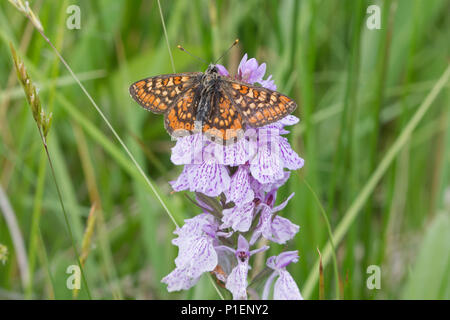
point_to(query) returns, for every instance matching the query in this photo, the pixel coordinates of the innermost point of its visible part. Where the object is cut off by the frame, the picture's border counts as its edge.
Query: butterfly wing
(180, 118)
(259, 106)
(225, 121)
(159, 93)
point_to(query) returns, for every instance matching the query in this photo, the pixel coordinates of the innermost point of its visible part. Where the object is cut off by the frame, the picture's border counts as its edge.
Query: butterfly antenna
(234, 43)
(199, 59)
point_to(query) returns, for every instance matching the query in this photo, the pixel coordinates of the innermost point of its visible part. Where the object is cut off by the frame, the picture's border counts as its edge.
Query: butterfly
(220, 107)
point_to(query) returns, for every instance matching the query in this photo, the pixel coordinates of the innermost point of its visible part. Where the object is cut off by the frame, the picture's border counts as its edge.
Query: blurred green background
(357, 89)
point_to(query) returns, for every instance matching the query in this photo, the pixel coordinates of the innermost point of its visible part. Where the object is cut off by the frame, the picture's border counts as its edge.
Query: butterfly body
(218, 106)
(209, 85)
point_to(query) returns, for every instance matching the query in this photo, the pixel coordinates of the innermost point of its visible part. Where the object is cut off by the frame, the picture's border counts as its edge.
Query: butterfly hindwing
(180, 118)
(157, 94)
(225, 121)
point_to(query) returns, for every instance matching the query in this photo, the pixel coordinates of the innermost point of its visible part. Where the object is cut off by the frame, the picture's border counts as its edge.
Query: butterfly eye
(212, 68)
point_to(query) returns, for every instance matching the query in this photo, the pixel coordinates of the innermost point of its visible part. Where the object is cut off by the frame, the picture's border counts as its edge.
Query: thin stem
(215, 287)
(35, 221)
(16, 236)
(69, 229)
(330, 235)
(166, 36)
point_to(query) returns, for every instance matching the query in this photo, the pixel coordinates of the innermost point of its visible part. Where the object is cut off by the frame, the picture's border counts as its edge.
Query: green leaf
(429, 278)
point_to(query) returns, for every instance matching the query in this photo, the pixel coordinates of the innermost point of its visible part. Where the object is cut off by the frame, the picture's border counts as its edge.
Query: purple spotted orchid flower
(196, 241)
(285, 287)
(237, 279)
(236, 187)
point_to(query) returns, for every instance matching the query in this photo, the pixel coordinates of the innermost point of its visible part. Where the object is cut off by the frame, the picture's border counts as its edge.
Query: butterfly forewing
(259, 106)
(158, 94)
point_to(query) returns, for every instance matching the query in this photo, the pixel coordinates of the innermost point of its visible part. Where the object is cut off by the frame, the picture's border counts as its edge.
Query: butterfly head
(212, 68)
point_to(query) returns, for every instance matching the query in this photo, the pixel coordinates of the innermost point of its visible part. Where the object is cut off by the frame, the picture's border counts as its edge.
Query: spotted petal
(267, 165)
(237, 281)
(290, 158)
(182, 182)
(240, 190)
(285, 288)
(178, 280)
(239, 217)
(197, 258)
(208, 178)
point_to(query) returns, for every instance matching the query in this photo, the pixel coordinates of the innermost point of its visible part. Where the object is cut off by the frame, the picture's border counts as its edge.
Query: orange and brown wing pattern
(157, 94)
(259, 106)
(225, 122)
(179, 120)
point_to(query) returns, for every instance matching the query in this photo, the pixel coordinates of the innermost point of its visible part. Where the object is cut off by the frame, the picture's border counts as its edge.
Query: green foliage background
(356, 89)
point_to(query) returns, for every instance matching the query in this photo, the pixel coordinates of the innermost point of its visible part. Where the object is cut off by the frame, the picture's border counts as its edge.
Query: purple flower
(237, 280)
(285, 287)
(188, 150)
(240, 190)
(249, 71)
(271, 226)
(222, 70)
(274, 154)
(196, 252)
(209, 178)
(179, 279)
(268, 154)
(269, 83)
(261, 189)
(239, 217)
